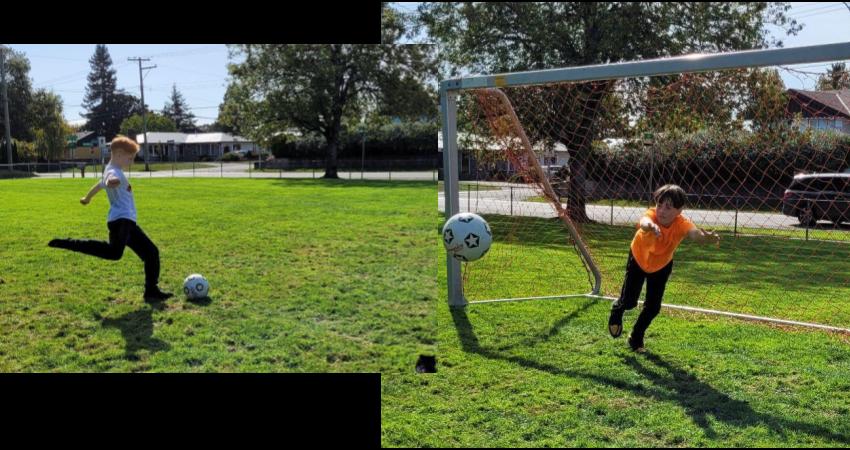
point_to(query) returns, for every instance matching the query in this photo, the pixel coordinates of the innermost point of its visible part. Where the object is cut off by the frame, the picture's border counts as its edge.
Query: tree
(236, 110)
(313, 87)
(836, 77)
(19, 90)
(392, 24)
(511, 36)
(106, 106)
(178, 111)
(408, 99)
(49, 128)
(132, 126)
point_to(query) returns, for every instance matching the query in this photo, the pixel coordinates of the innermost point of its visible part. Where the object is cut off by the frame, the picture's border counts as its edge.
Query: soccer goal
(562, 164)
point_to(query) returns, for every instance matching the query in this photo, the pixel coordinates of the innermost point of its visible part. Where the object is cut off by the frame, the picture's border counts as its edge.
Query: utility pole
(5, 104)
(144, 108)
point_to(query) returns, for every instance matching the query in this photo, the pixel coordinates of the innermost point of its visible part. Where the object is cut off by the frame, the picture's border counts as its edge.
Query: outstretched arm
(94, 190)
(646, 224)
(701, 236)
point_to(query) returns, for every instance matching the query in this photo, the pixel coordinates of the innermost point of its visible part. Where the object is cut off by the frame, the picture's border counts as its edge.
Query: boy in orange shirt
(660, 231)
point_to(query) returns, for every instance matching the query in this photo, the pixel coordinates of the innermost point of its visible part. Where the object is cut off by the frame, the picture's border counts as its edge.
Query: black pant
(122, 233)
(632, 285)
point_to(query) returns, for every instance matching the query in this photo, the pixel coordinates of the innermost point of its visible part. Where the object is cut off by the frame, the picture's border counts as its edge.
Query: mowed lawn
(546, 373)
(305, 275)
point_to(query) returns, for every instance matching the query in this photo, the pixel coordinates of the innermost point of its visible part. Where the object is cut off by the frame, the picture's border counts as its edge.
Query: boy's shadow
(697, 398)
(137, 329)
(700, 400)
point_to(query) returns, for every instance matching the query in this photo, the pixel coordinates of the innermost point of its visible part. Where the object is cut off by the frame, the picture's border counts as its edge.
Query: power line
(835, 8)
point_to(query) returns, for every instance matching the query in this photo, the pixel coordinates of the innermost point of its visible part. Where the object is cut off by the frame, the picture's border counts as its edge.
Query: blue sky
(198, 70)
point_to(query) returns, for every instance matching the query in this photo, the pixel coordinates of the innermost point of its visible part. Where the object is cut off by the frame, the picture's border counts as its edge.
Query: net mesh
(762, 166)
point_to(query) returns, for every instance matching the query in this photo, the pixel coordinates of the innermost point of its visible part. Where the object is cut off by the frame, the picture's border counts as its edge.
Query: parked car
(818, 196)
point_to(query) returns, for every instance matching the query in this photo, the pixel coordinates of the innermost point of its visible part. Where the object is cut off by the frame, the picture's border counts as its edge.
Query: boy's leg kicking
(123, 233)
(119, 234)
(632, 285)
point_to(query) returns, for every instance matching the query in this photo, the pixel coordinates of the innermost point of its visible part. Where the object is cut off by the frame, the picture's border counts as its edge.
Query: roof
(838, 100)
(158, 137)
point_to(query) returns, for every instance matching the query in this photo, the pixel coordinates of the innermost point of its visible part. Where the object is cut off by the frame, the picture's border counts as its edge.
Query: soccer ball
(467, 236)
(195, 286)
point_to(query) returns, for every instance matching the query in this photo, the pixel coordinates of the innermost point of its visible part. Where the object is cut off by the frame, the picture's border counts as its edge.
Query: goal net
(564, 169)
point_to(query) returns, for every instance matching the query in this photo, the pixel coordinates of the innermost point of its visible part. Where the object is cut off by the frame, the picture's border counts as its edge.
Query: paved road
(241, 170)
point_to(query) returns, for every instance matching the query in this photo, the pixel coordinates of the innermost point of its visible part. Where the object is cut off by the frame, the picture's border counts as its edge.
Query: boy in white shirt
(121, 221)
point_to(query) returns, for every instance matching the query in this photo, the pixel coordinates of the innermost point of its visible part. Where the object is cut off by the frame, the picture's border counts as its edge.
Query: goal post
(562, 162)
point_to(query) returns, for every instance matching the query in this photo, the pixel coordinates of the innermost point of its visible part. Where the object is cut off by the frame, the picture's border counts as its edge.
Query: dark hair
(671, 192)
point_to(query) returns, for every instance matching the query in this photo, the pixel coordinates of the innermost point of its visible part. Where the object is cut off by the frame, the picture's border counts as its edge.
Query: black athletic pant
(632, 285)
(122, 233)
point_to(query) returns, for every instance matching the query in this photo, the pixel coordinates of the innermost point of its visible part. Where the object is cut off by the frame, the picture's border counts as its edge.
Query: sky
(824, 23)
(200, 70)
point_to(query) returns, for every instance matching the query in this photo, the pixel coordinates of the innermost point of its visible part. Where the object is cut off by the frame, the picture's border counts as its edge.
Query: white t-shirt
(121, 204)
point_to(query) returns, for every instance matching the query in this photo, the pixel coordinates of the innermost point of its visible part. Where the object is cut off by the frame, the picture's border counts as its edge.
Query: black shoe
(636, 344)
(615, 320)
(155, 295)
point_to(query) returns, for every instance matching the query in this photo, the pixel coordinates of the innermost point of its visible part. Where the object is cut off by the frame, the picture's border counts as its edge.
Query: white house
(191, 147)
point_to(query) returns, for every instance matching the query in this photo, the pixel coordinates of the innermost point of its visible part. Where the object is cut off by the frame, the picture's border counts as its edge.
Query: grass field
(306, 275)
(546, 373)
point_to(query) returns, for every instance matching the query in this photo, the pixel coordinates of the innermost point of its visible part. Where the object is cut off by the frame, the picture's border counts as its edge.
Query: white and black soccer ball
(467, 236)
(195, 286)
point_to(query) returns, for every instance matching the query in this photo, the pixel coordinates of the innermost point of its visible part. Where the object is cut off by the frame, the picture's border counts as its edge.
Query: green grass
(774, 273)
(306, 275)
(546, 373)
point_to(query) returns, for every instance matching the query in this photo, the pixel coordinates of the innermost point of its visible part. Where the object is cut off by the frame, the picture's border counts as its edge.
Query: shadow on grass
(137, 329)
(698, 399)
(205, 301)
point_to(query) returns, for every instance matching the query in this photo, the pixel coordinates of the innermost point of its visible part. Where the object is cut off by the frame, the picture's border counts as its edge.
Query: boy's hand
(651, 226)
(711, 237)
(85, 200)
(113, 182)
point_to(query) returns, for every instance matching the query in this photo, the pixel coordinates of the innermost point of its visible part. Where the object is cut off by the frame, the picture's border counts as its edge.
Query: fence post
(612, 210)
(512, 200)
(737, 206)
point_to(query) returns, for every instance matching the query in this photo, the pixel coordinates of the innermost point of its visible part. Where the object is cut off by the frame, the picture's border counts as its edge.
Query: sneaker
(155, 295)
(636, 344)
(615, 320)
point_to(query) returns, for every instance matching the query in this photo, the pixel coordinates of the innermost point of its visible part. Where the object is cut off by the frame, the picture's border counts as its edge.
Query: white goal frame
(450, 89)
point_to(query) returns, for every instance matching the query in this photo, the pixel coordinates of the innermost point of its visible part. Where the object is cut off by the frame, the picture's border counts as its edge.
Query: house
(822, 109)
(192, 147)
(85, 145)
(550, 157)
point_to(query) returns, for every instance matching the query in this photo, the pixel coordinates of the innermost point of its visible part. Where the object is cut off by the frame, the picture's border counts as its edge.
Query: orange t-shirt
(653, 253)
